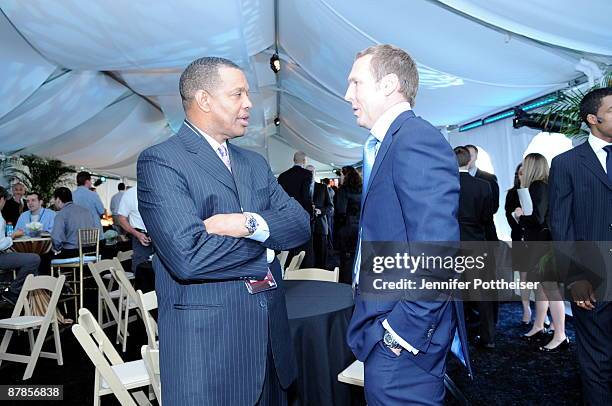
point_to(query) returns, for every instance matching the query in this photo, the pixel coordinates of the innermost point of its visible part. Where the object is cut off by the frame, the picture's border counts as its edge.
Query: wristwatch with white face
(250, 223)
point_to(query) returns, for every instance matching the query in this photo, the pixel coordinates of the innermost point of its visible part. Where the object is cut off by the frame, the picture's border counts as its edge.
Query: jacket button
(263, 303)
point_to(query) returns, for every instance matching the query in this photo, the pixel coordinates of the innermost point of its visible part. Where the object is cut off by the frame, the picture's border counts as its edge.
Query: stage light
(275, 63)
(537, 121)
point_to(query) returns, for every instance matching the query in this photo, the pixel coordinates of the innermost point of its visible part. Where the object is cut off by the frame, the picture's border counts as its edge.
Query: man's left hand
(230, 225)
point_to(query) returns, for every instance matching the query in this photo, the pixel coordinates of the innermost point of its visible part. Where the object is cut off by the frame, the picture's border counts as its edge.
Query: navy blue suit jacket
(580, 209)
(413, 195)
(213, 334)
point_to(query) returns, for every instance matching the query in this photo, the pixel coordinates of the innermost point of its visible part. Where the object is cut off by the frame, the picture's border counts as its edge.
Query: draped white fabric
(95, 82)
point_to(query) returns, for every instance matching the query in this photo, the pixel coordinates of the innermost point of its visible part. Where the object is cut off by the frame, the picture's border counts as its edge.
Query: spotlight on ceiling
(277, 121)
(537, 121)
(275, 63)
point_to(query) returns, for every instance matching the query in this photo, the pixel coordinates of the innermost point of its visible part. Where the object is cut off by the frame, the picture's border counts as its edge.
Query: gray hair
(299, 158)
(388, 59)
(202, 74)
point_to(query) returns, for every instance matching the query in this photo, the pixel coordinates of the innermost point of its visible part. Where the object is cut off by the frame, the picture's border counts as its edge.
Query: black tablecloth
(319, 314)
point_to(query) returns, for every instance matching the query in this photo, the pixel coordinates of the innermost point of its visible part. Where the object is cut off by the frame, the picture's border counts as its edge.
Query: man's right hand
(582, 294)
(143, 239)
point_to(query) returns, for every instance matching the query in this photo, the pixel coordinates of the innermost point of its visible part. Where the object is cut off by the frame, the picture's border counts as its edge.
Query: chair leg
(119, 313)
(31, 338)
(96, 397)
(100, 321)
(125, 324)
(5, 342)
(40, 339)
(81, 286)
(58, 343)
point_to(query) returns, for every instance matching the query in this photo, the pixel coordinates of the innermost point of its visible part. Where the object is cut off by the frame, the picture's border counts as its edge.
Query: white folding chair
(313, 274)
(28, 322)
(128, 300)
(99, 270)
(296, 261)
(146, 303)
(112, 375)
(353, 374)
(122, 256)
(282, 259)
(150, 356)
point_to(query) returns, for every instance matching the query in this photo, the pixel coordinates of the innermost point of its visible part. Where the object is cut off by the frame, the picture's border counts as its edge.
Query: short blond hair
(388, 59)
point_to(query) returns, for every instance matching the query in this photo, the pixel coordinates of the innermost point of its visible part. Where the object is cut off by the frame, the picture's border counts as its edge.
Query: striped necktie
(224, 155)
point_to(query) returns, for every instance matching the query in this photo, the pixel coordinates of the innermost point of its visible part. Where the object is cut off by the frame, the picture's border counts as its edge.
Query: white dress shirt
(262, 232)
(379, 131)
(128, 207)
(598, 147)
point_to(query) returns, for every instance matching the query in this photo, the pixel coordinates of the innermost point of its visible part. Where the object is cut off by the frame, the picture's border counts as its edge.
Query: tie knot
(371, 142)
(222, 150)
(608, 149)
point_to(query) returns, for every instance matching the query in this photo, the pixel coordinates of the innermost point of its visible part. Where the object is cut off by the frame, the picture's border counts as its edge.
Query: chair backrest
(102, 354)
(313, 274)
(125, 255)
(296, 261)
(282, 259)
(146, 303)
(124, 283)
(97, 269)
(89, 242)
(45, 282)
(150, 356)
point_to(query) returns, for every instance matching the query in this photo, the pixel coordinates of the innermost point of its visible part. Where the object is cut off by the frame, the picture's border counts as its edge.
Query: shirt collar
(381, 126)
(213, 143)
(597, 143)
(472, 171)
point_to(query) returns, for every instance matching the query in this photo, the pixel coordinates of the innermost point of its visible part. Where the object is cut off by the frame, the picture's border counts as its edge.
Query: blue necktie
(608, 149)
(370, 148)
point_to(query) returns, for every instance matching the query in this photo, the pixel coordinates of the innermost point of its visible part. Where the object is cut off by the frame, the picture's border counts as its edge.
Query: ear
(389, 83)
(202, 99)
(592, 119)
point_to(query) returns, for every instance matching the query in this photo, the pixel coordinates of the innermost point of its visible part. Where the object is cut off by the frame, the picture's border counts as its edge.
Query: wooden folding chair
(29, 322)
(146, 303)
(313, 274)
(112, 375)
(89, 251)
(128, 300)
(150, 356)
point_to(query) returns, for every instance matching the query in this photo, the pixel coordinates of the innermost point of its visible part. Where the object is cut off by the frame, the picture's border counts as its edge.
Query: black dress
(348, 211)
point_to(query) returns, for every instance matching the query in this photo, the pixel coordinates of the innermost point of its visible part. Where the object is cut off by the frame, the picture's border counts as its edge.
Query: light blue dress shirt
(45, 216)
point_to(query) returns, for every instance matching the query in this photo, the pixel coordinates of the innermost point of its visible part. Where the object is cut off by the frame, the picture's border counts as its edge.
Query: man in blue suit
(410, 194)
(580, 193)
(215, 212)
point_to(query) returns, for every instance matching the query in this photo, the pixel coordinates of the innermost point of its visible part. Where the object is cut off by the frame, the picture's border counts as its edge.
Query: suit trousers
(594, 350)
(24, 264)
(319, 242)
(392, 380)
(272, 393)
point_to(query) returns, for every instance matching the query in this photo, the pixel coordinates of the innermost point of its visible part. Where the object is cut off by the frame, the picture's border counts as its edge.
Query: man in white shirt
(114, 206)
(130, 220)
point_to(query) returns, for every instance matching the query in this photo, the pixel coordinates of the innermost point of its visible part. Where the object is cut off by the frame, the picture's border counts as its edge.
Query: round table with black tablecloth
(319, 314)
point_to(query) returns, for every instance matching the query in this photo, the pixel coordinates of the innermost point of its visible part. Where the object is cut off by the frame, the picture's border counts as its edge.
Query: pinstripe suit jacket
(214, 334)
(580, 209)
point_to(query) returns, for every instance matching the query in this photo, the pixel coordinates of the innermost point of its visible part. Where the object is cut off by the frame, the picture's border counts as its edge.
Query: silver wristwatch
(250, 223)
(390, 342)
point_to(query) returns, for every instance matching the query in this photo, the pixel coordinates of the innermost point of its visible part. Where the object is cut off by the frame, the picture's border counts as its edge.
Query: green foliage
(566, 110)
(43, 175)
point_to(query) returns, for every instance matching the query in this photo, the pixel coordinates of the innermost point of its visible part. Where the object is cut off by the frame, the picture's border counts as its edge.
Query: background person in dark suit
(214, 212)
(410, 194)
(492, 179)
(323, 207)
(298, 183)
(474, 214)
(581, 210)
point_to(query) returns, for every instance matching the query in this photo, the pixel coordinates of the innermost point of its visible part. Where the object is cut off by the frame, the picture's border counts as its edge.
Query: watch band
(250, 223)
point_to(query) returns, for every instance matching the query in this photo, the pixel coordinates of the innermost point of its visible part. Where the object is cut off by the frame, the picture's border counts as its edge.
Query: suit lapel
(384, 147)
(205, 157)
(241, 172)
(589, 159)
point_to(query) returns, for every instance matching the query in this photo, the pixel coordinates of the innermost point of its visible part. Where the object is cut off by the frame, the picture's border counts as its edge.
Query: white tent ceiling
(93, 83)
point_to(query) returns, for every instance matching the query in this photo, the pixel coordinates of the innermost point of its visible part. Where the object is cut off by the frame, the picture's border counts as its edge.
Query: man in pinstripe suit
(215, 213)
(580, 184)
